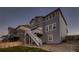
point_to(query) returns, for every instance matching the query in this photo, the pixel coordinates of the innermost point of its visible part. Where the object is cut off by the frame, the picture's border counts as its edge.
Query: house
(16, 32)
(48, 29)
(21, 33)
(12, 31)
(54, 27)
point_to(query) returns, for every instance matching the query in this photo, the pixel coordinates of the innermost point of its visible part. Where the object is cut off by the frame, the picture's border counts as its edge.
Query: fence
(10, 44)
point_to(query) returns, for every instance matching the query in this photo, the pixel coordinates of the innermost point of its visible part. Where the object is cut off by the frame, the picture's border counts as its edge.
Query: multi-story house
(51, 29)
(54, 26)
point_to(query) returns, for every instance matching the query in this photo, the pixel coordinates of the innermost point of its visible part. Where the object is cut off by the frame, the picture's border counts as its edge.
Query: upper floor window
(50, 17)
(45, 19)
(50, 27)
(46, 28)
(33, 22)
(54, 26)
(55, 14)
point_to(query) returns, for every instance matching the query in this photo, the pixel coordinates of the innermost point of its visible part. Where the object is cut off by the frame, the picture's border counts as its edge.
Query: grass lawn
(22, 49)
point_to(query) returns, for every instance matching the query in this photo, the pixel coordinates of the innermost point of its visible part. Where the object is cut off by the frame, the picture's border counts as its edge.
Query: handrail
(34, 38)
(29, 32)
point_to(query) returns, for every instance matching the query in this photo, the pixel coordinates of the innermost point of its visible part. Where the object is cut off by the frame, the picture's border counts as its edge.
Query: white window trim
(53, 26)
(47, 27)
(49, 37)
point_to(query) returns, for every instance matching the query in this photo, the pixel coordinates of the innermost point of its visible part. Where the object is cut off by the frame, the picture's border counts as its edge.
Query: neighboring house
(21, 33)
(72, 37)
(5, 37)
(16, 32)
(12, 31)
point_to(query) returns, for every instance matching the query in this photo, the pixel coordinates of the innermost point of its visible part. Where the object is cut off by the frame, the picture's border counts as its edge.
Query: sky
(14, 16)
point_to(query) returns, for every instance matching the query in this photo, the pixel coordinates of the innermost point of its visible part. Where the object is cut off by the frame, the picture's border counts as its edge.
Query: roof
(60, 13)
(23, 26)
(51, 13)
(35, 18)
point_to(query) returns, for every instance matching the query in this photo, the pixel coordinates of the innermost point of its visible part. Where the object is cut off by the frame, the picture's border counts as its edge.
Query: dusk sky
(12, 17)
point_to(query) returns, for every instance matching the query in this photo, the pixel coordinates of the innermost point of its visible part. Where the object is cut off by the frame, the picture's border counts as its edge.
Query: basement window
(50, 37)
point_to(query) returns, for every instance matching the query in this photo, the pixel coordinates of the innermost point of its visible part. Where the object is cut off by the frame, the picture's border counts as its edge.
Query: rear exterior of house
(54, 27)
(51, 29)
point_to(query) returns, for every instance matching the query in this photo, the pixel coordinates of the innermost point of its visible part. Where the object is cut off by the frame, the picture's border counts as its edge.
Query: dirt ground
(68, 46)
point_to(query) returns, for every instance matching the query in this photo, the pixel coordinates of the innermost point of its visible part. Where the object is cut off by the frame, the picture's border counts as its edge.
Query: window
(33, 22)
(54, 26)
(46, 28)
(53, 15)
(50, 27)
(50, 16)
(46, 19)
(50, 37)
(56, 13)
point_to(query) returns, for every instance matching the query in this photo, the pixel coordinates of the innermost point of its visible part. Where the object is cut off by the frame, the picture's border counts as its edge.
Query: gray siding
(55, 33)
(60, 31)
(37, 22)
